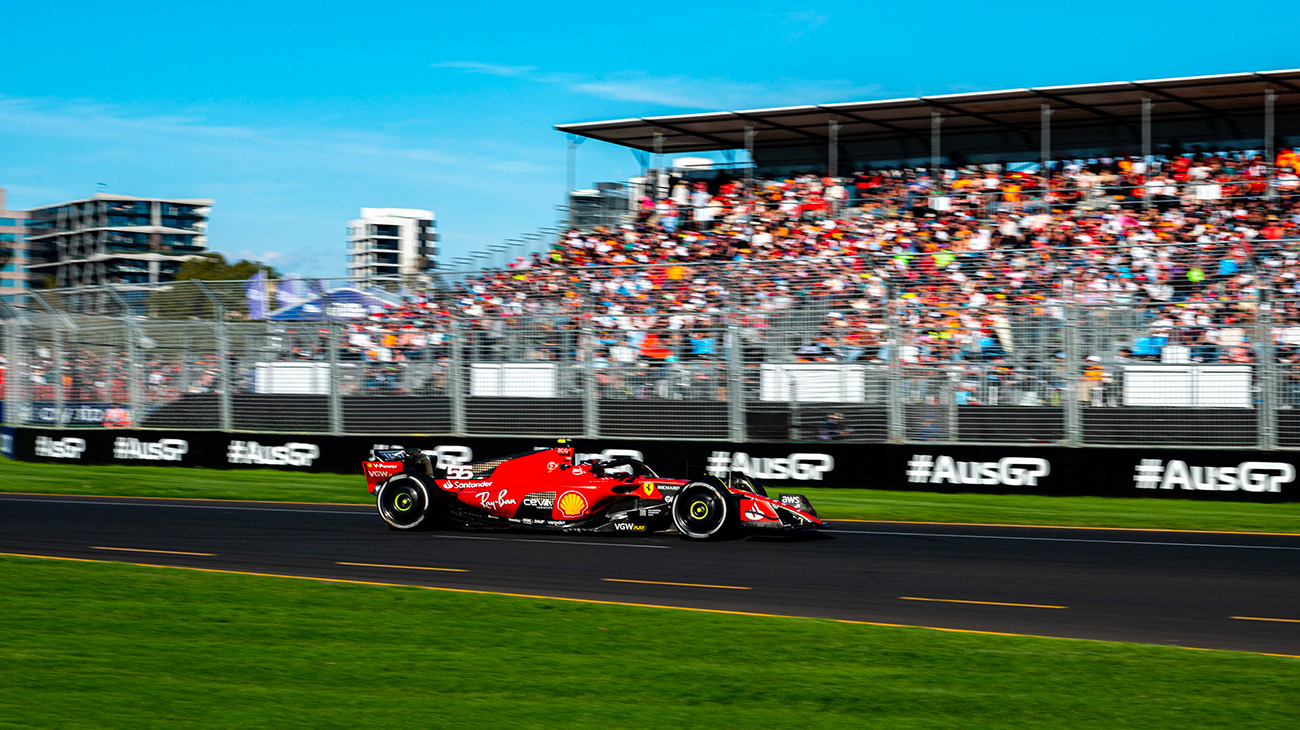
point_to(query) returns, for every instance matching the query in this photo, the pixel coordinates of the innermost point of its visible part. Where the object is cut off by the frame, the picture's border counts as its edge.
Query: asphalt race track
(1207, 590)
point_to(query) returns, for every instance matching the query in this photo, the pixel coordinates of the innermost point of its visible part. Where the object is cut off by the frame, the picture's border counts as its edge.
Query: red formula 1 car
(549, 490)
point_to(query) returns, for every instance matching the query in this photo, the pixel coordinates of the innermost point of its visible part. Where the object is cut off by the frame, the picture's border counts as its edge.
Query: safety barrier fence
(1222, 474)
(830, 349)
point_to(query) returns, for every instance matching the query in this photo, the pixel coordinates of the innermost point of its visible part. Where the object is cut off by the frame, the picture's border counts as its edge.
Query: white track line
(1063, 539)
(554, 542)
(197, 506)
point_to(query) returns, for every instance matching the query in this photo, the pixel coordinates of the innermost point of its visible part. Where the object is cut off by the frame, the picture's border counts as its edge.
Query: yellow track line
(667, 583)
(1257, 618)
(142, 550)
(829, 518)
(593, 601)
(982, 603)
(405, 567)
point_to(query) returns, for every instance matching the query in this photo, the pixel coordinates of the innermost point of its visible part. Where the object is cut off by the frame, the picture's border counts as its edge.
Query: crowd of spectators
(962, 280)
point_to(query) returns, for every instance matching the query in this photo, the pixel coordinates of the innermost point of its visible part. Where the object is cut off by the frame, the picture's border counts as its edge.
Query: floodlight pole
(656, 162)
(1146, 146)
(832, 148)
(1045, 138)
(571, 172)
(1269, 157)
(749, 168)
(936, 119)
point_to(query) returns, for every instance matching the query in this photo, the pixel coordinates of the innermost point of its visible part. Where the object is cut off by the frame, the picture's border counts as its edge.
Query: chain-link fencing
(863, 348)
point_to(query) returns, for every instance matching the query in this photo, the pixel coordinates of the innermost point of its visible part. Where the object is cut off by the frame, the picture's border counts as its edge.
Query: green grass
(865, 504)
(111, 645)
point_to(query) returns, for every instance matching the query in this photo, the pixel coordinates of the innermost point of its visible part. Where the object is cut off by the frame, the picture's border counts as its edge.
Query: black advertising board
(1114, 472)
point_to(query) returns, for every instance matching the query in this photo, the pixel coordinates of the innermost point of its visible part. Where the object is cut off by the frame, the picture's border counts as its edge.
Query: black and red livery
(549, 489)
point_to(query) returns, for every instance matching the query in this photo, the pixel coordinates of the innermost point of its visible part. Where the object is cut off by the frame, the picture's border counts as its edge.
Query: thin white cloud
(803, 21)
(282, 191)
(491, 69)
(330, 147)
(686, 92)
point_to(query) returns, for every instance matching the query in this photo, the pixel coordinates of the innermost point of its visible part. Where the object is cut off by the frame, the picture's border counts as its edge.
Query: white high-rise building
(391, 242)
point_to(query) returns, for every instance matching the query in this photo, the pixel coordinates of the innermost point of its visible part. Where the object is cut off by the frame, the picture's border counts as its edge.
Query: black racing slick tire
(702, 511)
(405, 502)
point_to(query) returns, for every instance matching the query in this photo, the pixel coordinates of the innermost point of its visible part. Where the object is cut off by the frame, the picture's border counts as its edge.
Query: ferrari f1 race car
(549, 489)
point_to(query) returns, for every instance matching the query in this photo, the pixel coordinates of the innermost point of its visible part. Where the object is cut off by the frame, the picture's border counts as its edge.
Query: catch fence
(810, 350)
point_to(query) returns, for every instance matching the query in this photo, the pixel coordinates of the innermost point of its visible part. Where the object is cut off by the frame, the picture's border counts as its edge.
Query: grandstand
(920, 270)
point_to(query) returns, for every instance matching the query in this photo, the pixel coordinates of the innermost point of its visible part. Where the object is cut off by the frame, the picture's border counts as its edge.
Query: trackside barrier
(1115, 472)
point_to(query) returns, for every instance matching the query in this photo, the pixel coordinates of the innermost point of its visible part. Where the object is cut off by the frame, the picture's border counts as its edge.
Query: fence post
(735, 381)
(894, 401)
(456, 379)
(590, 402)
(15, 405)
(334, 342)
(1265, 372)
(225, 352)
(134, 383)
(56, 359)
(1070, 379)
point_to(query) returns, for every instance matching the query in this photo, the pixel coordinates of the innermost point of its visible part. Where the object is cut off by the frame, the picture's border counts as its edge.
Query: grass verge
(863, 504)
(92, 645)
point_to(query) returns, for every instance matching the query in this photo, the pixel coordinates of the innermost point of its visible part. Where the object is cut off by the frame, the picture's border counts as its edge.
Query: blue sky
(293, 115)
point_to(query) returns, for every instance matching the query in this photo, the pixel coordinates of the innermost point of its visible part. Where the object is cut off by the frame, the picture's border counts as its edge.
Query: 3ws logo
(1012, 471)
(800, 466)
(443, 456)
(1250, 476)
(65, 448)
(161, 450)
(291, 454)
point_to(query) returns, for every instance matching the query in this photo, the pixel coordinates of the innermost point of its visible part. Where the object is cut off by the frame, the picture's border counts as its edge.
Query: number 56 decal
(460, 472)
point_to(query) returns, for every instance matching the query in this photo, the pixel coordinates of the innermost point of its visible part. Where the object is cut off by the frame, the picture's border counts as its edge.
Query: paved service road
(1183, 588)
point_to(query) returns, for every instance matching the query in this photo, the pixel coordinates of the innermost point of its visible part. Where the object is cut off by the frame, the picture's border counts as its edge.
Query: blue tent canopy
(343, 303)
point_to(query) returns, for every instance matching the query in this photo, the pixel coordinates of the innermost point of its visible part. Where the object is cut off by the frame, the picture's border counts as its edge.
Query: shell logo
(571, 504)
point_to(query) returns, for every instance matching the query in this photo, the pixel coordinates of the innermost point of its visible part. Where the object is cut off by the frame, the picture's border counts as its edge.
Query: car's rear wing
(377, 471)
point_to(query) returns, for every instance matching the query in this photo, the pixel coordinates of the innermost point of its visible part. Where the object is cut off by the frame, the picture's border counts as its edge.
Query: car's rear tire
(405, 502)
(702, 511)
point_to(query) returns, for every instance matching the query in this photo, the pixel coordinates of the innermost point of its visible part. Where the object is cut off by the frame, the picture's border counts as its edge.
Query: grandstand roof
(1227, 100)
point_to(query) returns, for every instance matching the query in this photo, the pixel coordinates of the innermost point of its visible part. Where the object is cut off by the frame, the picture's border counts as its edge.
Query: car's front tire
(702, 510)
(405, 502)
